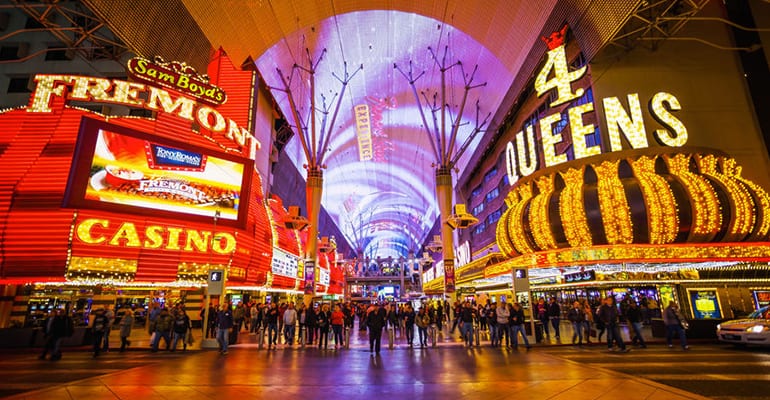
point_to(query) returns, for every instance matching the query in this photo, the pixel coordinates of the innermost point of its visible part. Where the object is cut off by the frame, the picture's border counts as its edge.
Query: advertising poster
(309, 286)
(449, 276)
(119, 168)
(705, 304)
(761, 298)
(666, 295)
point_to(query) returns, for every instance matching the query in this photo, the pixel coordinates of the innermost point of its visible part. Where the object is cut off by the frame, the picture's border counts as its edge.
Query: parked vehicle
(754, 329)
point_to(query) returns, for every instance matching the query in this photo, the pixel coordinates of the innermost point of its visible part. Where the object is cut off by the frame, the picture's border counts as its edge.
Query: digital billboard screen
(121, 169)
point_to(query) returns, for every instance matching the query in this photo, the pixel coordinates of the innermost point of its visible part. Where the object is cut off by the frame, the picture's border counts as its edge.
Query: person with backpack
(181, 326)
(163, 327)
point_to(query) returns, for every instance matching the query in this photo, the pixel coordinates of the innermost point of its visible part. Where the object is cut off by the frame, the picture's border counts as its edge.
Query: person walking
(422, 319)
(181, 326)
(576, 316)
(289, 324)
(324, 320)
(98, 326)
(517, 326)
(503, 315)
(554, 315)
(589, 321)
(491, 317)
(338, 321)
(675, 324)
(375, 321)
(110, 315)
(58, 326)
(225, 322)
(409, 320)
(272, 325)
(467, 315)
(635, 318)
(311, 322)
(125, 325)
(541, 310)
(163, 327)
(608, 314)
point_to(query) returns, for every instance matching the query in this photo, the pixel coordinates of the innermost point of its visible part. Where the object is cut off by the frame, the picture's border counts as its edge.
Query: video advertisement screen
(121, 169)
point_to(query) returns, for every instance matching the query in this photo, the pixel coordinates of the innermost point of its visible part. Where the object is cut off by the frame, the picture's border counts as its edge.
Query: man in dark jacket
(554, 315)
(57, 327)
(577, 317)
(608, 314)
(163, 327)
(224, 324)
(375, 321)
(635, 319)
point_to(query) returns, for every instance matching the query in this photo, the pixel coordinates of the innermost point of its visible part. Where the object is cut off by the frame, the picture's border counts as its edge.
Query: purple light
(390, 198)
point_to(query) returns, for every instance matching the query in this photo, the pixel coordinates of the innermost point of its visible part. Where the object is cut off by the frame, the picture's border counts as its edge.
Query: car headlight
(757, 329)
(719, 326)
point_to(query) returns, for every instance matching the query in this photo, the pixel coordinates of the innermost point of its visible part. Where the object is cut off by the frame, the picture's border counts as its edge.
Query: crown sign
(555, 39)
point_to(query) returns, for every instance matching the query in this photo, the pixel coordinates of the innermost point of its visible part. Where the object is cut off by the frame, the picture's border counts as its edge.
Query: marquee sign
(177, 76)
(132, 94)
(555, 77)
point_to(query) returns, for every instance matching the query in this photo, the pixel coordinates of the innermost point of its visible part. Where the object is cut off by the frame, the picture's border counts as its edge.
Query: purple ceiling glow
(386, 204)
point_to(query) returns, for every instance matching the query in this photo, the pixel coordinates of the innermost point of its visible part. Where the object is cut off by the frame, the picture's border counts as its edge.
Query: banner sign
(309, 286)
(449, 276)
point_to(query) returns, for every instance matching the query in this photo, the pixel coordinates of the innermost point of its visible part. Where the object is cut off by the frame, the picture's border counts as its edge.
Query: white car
(754, 329)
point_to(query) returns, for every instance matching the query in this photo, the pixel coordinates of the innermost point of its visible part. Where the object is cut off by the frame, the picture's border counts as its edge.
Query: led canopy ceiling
(379, 181)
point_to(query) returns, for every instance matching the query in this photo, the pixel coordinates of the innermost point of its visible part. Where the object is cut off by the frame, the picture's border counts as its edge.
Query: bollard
(346, 339)
(302, 336)
(391, 337)
(261, 337)
(476, 334)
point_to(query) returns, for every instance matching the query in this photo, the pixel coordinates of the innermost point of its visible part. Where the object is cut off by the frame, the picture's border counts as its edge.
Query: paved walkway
(450, 371)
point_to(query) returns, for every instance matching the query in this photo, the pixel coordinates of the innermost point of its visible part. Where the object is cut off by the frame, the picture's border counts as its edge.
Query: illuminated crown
(556, 38)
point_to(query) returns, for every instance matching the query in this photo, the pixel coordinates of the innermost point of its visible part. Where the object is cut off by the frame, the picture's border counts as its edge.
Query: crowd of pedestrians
(503, 324)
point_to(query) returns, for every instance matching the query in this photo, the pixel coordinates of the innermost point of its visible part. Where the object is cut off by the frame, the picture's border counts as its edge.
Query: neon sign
(177, 76)
(132, 94)
(363, 132)
(521, 153)
(102, 232)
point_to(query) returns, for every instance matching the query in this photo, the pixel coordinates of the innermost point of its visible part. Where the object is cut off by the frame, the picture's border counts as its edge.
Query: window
(479, 228)
(140, 112)
(493, 194)
(33, 23)
(9, 53)
(56, 53)
(579, 61)
(587, 97)
(491, 174)
(19, 85)
(478, 209)
(476, 192)
(494, 217)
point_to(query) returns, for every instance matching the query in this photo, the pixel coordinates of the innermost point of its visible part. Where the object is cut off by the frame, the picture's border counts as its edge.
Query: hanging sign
(177, 76)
